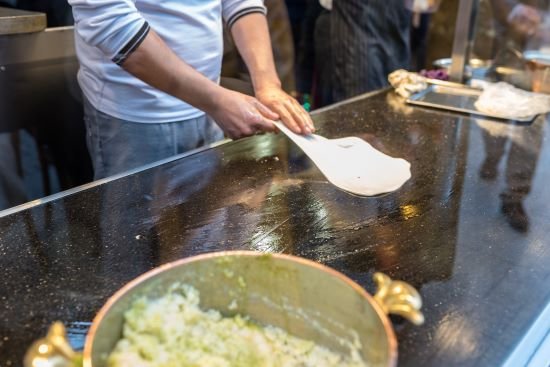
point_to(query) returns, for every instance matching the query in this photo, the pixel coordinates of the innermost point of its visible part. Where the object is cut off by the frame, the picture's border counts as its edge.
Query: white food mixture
(173, 331)
(506, 100)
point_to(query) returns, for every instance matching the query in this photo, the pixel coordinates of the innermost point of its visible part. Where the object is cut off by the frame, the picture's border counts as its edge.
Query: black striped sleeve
(241, 13)
(131, 46)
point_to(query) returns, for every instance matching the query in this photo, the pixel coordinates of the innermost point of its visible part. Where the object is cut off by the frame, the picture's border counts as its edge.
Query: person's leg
(282, 42)
(296, 14)
(494, 150)
(12, 189)
(369, 40)
(522, 161)
(419, 37)
(116, 145)
(306, 61)
(195, 133)
(520, 170)
(348, 43)
(210, 131)
(422, 45)
(388, 25)
(323, 65)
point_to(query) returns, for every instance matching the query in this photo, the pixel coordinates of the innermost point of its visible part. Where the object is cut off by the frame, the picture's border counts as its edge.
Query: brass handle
(53, 350)
(399, 298)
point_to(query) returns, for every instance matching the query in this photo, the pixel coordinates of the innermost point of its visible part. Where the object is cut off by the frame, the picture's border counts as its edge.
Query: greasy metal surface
(460, 99)
(483, 282)
(14, 21)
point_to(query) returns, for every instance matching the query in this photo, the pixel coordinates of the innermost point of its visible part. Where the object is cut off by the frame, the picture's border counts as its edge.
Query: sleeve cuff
(132, 45)
(241, 13)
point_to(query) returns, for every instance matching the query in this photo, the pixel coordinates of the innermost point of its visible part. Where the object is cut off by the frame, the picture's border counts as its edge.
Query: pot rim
(538, 58)
(390, 335)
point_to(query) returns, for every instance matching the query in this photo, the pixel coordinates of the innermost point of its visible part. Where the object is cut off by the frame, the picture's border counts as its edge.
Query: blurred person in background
(422, 11)
(518, 27)
(519, 148)
(313, 56)
(12, 189)
(521, 25)
(282, 43)
(369, 40)
(11, 185)
(8, 3)
(323, 56)
(297, 10)
(149, 72)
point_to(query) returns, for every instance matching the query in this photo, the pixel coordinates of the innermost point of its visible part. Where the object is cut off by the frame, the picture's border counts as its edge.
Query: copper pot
(303, 297)
(538, 64)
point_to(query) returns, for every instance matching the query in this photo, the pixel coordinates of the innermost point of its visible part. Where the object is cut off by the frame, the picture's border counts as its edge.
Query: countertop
(14, 21)
(483, 276)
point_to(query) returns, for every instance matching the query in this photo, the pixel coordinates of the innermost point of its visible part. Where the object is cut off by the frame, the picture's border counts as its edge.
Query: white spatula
(352, 164)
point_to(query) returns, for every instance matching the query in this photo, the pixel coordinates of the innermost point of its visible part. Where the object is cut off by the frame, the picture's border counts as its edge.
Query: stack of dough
(407, 83)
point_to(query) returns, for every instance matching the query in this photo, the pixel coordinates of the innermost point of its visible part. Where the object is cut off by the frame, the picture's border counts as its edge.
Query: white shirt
(107, 31)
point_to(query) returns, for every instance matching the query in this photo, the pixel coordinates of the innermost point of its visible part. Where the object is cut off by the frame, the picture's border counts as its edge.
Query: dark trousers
(369, 40)
(419, 41)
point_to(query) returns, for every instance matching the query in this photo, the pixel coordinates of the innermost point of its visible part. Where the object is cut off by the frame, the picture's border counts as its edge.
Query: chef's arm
(156, 64)
(251, 35)
(117, 28)
(247, 22)
(237, 114)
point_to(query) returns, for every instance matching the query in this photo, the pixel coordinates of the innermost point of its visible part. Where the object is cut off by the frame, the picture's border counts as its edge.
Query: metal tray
(460, 99)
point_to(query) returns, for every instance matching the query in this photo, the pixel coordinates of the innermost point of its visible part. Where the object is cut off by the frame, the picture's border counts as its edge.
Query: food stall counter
(454, 230)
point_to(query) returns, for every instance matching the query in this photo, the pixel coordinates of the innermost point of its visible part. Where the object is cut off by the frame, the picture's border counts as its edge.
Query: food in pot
(173, 331)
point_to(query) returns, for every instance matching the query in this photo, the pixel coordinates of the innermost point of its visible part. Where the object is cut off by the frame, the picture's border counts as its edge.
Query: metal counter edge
(533, 350)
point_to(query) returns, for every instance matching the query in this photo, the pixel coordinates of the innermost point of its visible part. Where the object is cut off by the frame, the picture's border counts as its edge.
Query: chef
(149, 73)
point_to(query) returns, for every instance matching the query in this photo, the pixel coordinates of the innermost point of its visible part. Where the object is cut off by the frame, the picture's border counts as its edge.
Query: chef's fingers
(306, 118)
(264, 110)
(258, 122)
(238, 132)
(250, 128)
(286, 117)
(297, 116)
(266, 125)
(249, 122)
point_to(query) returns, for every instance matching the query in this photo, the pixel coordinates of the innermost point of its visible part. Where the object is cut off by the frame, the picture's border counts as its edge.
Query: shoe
(516, 216)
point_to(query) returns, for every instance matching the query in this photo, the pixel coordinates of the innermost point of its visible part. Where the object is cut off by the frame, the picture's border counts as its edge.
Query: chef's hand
(524, 19)
(289, 110)
(240, 115)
